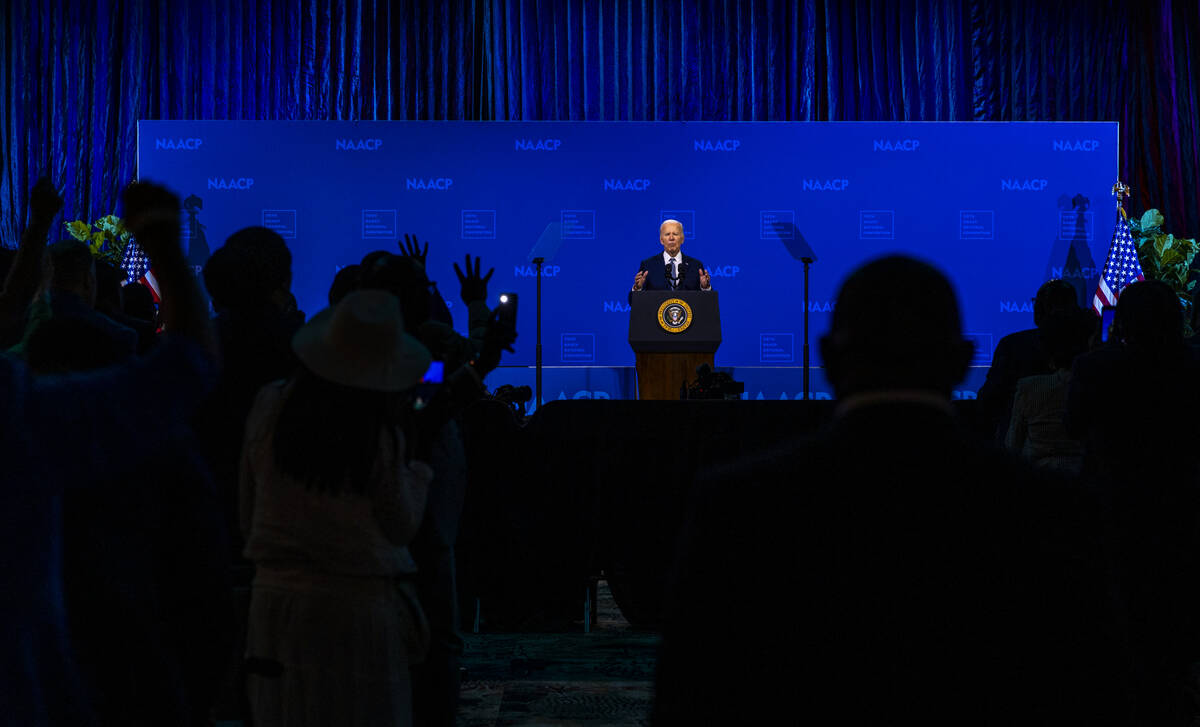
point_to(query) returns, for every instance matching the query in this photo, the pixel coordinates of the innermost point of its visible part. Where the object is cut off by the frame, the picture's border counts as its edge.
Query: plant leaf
(1152, 218)
(1172, 258)
(78, 229)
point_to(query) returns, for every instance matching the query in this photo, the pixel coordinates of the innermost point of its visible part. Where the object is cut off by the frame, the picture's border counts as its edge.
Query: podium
(672, 332)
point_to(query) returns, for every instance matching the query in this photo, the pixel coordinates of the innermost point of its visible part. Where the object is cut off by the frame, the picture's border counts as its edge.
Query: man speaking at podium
(672, 270)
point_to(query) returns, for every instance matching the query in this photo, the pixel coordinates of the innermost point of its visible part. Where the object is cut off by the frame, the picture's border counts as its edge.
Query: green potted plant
(1165, 257)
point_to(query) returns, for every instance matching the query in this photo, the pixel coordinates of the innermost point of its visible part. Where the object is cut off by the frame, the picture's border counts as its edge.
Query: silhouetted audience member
(78, 337)
(144, 568)
(330, 501)
(344, 282)
(466, 361)
(108, 288)
(439, 311)
(68, 434)
(248, 280)
(894, 568)
(110, 300)
(1036, 430)
(1019, 355)
(25, 275)
(137, 302)
(1134, 405)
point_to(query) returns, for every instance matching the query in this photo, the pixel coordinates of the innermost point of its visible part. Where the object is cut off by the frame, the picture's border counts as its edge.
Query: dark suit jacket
(657, 279)
(893, 566)
(1017, 355)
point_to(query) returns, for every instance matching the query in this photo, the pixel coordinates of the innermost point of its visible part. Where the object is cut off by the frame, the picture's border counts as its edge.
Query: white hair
(670, 222)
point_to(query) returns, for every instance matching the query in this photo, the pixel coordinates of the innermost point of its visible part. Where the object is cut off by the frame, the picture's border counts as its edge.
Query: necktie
(674, 279)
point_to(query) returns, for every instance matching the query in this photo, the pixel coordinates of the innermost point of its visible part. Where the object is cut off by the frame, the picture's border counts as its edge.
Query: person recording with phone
(671, 269)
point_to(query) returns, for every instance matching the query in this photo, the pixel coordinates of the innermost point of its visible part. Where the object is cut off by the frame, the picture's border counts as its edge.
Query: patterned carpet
(600, 678)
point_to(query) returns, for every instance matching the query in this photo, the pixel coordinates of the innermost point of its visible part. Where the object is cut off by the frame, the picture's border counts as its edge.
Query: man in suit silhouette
(893, 569)
(671, 269)
(1022, 354)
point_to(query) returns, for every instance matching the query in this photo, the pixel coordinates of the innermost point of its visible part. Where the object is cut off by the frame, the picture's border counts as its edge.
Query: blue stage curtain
(79, 74)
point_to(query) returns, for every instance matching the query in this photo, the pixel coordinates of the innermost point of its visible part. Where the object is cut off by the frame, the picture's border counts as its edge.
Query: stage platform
(763, 383)
(583, 489)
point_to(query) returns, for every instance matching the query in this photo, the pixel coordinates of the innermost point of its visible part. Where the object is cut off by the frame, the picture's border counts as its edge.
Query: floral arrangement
(106, 237)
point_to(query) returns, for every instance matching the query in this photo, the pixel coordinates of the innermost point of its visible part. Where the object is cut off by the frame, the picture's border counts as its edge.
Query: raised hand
(472, 286)
(410, 247)
(152, 215)
(44, 201)
(705, 279)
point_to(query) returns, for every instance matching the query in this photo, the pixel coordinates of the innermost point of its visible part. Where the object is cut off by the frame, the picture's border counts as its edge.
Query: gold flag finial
(1121, 190)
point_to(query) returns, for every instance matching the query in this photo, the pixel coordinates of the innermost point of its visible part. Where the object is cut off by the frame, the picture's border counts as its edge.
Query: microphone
(683, 269)
(667, 275)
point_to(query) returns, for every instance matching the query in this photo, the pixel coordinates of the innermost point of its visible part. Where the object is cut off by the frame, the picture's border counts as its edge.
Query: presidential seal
(674, 315)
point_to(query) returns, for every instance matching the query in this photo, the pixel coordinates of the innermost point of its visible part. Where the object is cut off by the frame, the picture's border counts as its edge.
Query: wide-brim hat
(361, 343)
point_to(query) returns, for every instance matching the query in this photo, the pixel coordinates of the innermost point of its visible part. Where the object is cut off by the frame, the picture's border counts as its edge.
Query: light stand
(537, 263)
(807, 262)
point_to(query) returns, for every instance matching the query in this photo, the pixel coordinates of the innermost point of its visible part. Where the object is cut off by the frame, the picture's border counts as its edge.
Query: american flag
(1120, 269)
(137, 269)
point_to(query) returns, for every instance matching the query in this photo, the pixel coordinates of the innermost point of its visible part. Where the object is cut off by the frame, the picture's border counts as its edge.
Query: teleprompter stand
(543, 251)
(797, 246)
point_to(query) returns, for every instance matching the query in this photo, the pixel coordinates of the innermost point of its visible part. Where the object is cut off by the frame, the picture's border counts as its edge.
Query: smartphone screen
(434, 374)
(1106, 319)
(429, 384)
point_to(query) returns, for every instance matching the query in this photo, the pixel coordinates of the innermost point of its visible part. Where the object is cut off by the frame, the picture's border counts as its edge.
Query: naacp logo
(1076, 144)
(1023, 185)
(825, 185)
(896, 145)
(230, 183)
(716, 144)
(674, 315)
(440, 183)
(189, 144)
(626, 185)
(1016, 306)
(358, 144)
(537, 144)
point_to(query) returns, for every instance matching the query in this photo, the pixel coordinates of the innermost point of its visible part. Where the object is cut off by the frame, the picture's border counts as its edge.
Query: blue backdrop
(1000, 206)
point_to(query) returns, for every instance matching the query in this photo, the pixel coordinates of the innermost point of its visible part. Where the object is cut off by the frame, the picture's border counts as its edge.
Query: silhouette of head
(345, 281)
(1064, 334)
(138, 302)
(896, 326)
(251, 270)
(1054, 295)
(108, 287)
(402, 277)
(73, 269)
(221, 279)
(1148, 316)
